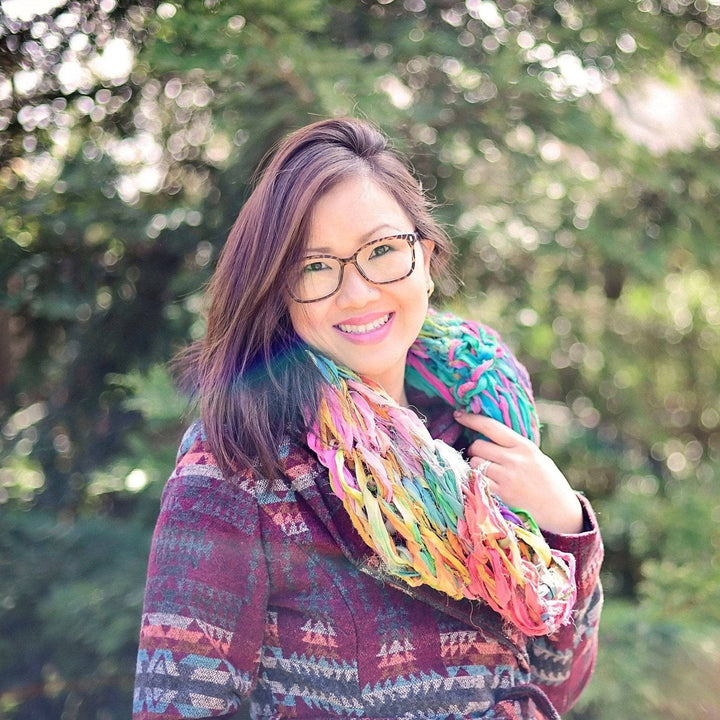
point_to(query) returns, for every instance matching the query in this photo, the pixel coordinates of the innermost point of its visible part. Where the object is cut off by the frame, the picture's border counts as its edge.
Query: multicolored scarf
(417, 503)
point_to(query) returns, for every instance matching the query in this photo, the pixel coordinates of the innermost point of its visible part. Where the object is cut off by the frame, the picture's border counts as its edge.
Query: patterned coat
(269, 592)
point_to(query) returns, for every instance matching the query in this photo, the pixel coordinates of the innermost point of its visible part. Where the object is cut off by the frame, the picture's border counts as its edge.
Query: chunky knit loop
(417, 503)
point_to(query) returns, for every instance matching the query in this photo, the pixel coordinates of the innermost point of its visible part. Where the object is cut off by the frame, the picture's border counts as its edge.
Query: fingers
(521, 475)
(485, 449)
(481, 464)
(501, 446)
(496, 431)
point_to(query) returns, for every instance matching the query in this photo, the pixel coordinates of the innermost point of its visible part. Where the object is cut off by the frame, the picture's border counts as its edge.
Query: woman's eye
(380, 250)
(316, 266)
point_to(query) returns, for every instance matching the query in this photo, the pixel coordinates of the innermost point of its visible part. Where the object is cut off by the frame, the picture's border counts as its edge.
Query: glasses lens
(387, 259)
(319, 277)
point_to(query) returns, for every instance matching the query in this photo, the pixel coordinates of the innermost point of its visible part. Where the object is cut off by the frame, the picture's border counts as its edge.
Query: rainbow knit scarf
(417, 503)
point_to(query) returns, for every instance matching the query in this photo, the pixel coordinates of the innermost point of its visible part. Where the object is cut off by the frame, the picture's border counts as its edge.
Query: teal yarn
(473, 371)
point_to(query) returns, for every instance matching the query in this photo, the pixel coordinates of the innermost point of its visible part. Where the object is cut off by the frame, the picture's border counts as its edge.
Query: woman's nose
(355, 290)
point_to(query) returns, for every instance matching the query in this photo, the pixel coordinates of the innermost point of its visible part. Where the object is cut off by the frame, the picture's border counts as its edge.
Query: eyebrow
(367, 237)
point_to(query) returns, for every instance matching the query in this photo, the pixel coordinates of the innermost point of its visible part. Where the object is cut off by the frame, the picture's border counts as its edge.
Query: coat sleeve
(562, 663)
(206, 593)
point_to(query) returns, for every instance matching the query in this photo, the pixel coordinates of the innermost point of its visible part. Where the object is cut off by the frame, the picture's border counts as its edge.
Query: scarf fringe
(417, 503)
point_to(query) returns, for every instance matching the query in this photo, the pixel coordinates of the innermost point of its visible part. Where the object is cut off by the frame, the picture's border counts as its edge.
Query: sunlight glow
(25, 10)
(664, 116)
(136, 480)
(115, 62)
(399, 94)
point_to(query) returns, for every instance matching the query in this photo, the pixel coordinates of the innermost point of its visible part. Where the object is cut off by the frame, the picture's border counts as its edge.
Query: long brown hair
(249, 373)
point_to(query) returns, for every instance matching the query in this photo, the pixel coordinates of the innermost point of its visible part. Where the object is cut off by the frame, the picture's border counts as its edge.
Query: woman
(323, 549)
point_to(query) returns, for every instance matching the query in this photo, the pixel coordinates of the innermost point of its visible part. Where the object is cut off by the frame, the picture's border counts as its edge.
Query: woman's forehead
(357, 210)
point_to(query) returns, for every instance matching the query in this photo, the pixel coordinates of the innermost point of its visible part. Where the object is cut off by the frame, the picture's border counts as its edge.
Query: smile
(368, 327)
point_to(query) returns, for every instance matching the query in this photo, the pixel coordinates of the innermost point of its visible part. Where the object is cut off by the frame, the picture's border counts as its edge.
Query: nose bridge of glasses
(351, 259)
(354, 286)
(356, 271)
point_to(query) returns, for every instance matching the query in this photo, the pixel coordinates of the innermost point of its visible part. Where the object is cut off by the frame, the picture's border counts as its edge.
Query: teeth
(368, 327)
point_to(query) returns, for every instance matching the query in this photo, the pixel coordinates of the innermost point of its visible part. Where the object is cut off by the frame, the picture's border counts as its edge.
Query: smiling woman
(364, 323)
(361, 523)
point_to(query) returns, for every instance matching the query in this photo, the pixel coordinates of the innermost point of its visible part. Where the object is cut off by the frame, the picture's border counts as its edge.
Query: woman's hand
(522, 476)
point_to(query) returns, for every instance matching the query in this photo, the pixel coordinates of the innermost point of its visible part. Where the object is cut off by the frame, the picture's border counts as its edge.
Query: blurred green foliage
(572, 150)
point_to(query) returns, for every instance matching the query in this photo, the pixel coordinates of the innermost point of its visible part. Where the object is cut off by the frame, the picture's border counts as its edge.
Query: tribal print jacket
(262, 597)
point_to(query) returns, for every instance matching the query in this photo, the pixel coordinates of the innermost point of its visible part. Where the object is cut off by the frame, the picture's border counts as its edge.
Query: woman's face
(367, 327)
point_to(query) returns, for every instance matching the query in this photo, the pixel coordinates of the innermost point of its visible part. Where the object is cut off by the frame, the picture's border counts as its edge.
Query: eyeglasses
(382, 261)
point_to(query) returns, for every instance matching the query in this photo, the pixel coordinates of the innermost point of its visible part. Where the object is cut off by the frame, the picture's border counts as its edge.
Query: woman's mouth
(365, 327)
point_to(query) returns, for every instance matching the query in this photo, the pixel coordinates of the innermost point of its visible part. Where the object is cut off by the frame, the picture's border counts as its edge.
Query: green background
(572, 152)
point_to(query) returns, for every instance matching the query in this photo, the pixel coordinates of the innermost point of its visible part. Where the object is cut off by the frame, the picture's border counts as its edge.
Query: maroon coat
(270, 592)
